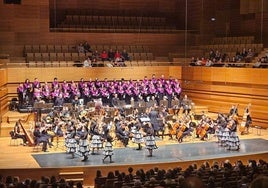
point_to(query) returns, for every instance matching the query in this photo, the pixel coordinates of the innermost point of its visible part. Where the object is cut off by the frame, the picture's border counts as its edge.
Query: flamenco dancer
(108, 149)
(150, 139)
(97, 140)
(70, 141)
(233, 139)
(137, 135)
(83, 149)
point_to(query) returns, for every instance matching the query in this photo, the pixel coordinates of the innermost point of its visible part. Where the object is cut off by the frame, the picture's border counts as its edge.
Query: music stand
(38, 106)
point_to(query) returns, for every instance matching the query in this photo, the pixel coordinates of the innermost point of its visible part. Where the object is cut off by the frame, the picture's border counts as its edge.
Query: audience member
(86, 47)
(125, 55)
(80, 48)
(87, 62)
(104, 56)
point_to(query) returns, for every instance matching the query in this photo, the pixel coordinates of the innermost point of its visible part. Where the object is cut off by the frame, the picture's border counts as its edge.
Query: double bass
(246, 120)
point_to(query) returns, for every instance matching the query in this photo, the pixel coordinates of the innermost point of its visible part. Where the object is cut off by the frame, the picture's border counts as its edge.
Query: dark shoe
(149, 155)
(85, 158)
(111, 161)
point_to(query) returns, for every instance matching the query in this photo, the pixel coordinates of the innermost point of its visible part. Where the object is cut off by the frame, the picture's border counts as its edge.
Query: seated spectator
(104, 56)
(111, 55)
(117, 54)
(257, 64)
(212, 54)
(87, 47)
(80, 48)
(193, 61)
(87, 62)
(118, 62)
(244, 53)
(250, 55)
(259, 182)
(209, 63)
(95, 56)
(238, 55)
(198, 62)
(203, 61)
(125, 55)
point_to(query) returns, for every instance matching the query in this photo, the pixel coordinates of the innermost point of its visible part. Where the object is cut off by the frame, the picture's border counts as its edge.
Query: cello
(181, 131)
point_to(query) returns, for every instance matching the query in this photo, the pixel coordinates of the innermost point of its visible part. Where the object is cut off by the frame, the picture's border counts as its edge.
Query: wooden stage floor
(25, 162)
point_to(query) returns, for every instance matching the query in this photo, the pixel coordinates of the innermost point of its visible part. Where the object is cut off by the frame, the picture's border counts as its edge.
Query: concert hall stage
(180, 152)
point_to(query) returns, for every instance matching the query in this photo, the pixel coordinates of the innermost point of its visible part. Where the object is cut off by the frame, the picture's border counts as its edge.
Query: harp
(28, 134)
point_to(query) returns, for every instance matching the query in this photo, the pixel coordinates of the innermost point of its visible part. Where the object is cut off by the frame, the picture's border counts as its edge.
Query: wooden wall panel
(219, 88)
(226, 75)
(72, 73)
(3, 77)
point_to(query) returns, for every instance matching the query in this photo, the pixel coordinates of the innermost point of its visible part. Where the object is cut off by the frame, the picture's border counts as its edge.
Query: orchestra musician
(185, 129)
(122, 133)
(205, 127)
(162, 122)
(247, 120)
(186, 104)
(19, 134)
(233, 110)
(40, 137)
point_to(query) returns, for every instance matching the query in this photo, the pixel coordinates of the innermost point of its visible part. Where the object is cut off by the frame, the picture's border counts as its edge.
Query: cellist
(185, 129)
